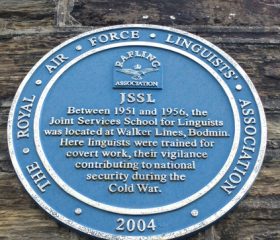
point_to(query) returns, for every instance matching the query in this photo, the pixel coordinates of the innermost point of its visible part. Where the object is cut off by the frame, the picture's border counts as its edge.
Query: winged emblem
(137, 72)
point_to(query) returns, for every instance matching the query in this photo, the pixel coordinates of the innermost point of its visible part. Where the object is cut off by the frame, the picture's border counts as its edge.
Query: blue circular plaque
(137, 131)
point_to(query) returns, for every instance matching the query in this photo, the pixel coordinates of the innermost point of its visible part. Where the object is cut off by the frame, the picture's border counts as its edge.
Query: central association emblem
(132, 68)
(137, 72)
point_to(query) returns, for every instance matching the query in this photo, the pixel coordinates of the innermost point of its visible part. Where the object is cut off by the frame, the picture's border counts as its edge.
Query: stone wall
(249, 30)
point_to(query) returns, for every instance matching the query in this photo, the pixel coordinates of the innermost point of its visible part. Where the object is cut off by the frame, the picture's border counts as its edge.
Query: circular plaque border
(174, 234)
(136, 211)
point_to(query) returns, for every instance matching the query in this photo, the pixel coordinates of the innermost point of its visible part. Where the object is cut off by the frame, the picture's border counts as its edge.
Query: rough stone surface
(249, 30)
(180, 12)
(16, 15)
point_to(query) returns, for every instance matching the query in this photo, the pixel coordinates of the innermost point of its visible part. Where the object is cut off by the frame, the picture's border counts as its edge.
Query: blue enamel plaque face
(137, 131)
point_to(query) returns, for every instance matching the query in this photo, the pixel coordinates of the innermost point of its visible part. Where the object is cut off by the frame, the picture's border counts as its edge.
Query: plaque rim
(245, 188)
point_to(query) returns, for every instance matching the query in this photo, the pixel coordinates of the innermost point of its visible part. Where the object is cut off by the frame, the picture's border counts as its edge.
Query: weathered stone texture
(15, 14)
(249, 30)
(180, 12)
